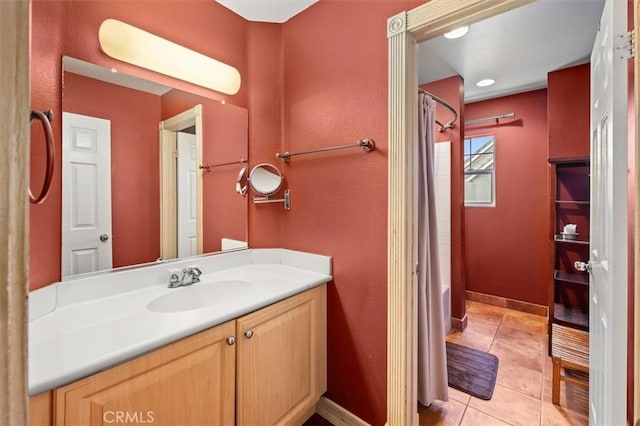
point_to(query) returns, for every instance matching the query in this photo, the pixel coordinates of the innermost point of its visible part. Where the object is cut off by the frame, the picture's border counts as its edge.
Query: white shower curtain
(432, 352)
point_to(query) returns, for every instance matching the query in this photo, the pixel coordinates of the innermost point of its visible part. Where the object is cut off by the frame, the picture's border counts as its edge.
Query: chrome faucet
(187, 276)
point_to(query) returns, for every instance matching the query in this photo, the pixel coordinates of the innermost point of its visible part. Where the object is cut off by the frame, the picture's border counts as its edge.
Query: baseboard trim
(337, 415)
(459, 324)
(504, 302)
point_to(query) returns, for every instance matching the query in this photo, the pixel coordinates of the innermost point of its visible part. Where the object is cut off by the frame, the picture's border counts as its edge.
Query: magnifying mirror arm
(266, 200)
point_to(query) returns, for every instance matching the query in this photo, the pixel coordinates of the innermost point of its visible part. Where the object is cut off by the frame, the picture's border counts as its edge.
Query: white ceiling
(517, 48)
(277, 11)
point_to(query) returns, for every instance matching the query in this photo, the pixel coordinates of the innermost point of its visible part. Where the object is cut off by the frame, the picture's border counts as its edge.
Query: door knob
(104, 237)
(231, 340)
(582, 266)
(248, 334)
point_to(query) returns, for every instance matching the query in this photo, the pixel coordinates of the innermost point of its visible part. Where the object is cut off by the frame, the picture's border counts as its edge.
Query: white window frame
(492, 172)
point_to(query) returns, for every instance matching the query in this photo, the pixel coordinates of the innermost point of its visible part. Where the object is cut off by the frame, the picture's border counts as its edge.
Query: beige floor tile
(510, 406)
(547, 361)
(522, 338)
(522, 379)
(473, 417)
(517, 354)
(523, 391)
(478, 335)
(458, 395)
(524, 321)
(553, 415)
(484, 312)
(441, 413)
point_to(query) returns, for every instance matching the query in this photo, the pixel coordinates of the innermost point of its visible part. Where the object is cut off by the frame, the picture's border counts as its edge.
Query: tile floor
(522, 395)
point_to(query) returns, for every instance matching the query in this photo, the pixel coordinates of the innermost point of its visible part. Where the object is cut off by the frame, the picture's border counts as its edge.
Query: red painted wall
(71, 28)
(266, 103)
(451, 90)
(335, 92)
(568, 112)
(306, 83)
(135, 196)
(224, 139)
(507, 251)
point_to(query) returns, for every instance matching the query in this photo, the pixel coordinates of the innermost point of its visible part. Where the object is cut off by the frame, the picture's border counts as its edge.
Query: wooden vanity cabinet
(281, 361)
(41, 409)
(273, 371)
(189, 382)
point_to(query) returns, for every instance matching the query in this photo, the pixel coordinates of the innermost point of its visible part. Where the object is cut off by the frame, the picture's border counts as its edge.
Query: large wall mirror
(148, 171)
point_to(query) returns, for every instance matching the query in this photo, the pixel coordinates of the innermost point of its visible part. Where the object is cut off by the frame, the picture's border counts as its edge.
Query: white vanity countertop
(85, 325)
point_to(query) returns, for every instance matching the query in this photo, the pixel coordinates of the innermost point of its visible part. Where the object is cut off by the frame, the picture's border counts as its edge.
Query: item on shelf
(570, 235)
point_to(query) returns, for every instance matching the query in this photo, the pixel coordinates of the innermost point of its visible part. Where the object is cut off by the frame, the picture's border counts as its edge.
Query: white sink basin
(200, 295)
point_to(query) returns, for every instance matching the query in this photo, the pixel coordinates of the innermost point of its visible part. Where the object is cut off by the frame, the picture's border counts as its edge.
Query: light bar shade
(129, 44)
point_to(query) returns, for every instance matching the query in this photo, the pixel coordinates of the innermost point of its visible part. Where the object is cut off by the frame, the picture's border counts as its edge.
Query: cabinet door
(281, 360)
(41, 409)
(189, 382)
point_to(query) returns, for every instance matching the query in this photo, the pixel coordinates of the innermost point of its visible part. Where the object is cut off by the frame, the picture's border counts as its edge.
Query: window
(479, 172)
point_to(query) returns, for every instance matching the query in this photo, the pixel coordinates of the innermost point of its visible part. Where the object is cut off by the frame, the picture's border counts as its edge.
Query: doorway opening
(175, 208)
(405, 31)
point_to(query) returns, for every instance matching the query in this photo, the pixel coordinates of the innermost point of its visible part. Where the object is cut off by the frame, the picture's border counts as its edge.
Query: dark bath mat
(471, 371)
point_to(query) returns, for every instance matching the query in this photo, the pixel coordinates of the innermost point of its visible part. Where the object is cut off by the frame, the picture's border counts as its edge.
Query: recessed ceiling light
(457, 33)
(486, 82)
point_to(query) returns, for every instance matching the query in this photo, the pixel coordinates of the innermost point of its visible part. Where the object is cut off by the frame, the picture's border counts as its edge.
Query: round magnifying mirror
(265, 179)
(241, 183)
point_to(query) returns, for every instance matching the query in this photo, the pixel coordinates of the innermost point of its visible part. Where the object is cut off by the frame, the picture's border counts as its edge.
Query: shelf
(572, 317)
(580, 202)
(570, 161)
(571, 277)
(560, 239)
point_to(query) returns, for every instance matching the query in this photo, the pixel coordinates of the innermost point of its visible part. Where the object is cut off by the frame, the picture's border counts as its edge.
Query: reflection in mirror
(265, 179)
(111, 171)
(241, 182)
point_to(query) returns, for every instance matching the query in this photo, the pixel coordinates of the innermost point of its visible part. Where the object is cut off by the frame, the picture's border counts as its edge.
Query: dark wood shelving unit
(571, 317)
(569, 288)
(561, 239)
(573, 202)
(571, 277)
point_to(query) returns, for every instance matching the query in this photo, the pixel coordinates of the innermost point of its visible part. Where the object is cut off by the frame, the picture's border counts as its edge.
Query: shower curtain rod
(450, 123)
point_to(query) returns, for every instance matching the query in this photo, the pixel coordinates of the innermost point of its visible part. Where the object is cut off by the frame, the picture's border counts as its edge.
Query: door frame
(168, 179)
(404, 31)
(14, 208)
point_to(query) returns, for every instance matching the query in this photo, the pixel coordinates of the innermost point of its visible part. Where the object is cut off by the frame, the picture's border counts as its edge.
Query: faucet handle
(195, 273)
(174, 279)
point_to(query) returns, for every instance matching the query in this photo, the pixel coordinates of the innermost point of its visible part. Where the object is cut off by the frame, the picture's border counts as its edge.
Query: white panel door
(86, 194)
(186, 181)
(608, 257)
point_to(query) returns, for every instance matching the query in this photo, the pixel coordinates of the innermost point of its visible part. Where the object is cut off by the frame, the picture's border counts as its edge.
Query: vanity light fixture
(457, 33)
(138, 47)
(486, 82)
